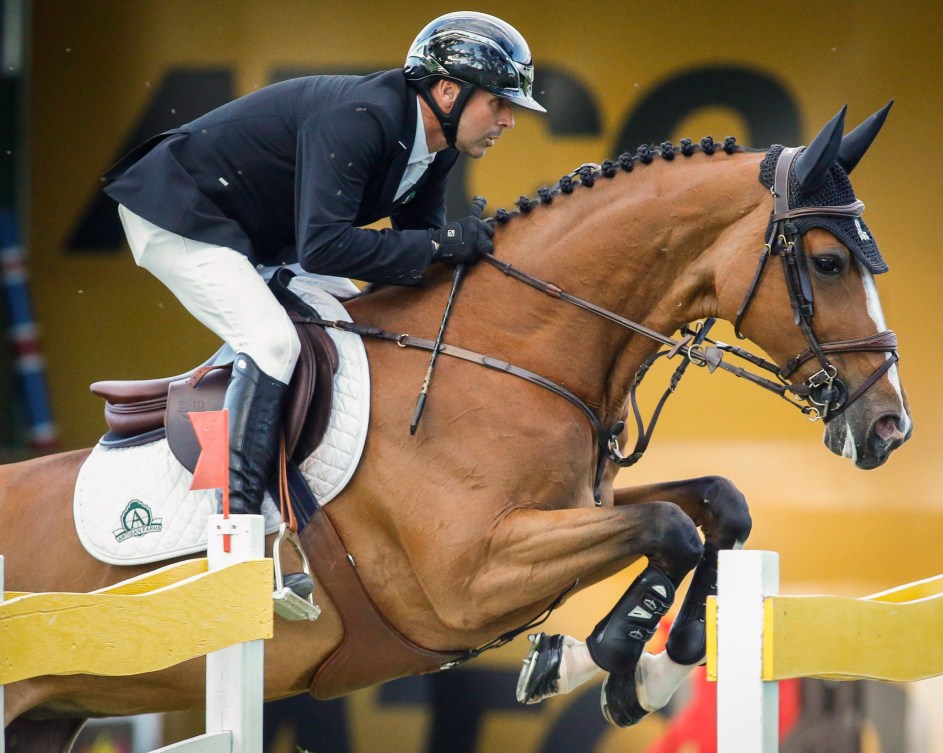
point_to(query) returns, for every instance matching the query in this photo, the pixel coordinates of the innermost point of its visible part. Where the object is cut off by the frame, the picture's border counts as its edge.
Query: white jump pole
(234, 675)
(747, 707)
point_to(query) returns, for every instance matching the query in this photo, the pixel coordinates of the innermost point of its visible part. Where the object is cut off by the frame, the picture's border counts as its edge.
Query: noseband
(825, 392)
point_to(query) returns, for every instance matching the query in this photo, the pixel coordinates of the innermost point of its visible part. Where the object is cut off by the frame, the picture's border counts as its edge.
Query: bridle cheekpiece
(827, 395)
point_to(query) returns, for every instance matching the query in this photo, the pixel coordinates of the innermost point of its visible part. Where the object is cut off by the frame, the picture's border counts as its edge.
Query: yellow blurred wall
(96, 64)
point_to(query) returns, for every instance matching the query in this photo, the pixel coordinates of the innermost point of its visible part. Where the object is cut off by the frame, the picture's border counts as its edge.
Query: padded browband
(781, 210)
(855, 209)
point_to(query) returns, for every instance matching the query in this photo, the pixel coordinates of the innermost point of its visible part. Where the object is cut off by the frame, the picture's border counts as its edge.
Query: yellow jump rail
(62, 633)
(894, 636)
(224, 601)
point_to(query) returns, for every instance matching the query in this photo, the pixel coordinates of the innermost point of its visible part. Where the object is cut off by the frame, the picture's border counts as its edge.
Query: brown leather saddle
(143, 410)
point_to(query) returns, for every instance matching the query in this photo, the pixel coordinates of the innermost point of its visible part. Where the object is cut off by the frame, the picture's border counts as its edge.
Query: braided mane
(587, 174)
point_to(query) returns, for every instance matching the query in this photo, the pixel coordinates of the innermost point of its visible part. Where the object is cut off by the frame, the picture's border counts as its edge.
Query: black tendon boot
(254, 401)
(617, 642)
(687, 642)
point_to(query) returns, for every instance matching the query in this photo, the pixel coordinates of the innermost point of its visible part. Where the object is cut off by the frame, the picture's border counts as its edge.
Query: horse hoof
(619, 700)
(540, 675)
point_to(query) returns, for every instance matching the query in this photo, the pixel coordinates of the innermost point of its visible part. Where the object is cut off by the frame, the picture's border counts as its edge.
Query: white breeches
(222, 289)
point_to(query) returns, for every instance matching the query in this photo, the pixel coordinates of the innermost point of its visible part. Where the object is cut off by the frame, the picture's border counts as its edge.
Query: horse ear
(856, 143)
(813, 163)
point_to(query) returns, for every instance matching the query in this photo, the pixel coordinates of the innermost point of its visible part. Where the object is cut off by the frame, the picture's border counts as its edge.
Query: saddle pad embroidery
(133, 506)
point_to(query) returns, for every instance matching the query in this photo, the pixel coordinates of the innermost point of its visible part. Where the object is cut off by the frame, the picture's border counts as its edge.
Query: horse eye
(828, 264)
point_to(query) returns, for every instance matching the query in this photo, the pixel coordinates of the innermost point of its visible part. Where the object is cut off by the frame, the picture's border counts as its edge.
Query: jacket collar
(402, 150)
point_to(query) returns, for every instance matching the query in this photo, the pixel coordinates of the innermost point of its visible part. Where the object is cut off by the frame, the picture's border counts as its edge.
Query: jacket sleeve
(338, 149)
(427, 209)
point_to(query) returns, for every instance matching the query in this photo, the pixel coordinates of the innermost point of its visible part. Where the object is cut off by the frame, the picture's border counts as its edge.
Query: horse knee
(726, 518)
(675, 545)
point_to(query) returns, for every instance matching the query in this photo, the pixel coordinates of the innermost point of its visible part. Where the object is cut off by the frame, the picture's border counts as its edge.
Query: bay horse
(503, 503)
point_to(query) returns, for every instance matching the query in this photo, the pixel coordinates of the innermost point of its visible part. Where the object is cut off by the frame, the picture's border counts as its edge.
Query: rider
(291, 174)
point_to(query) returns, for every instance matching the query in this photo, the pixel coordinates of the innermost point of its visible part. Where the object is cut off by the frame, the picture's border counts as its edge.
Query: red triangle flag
(212, 432)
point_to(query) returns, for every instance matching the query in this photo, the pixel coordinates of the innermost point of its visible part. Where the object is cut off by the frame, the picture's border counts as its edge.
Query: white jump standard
(757, 637)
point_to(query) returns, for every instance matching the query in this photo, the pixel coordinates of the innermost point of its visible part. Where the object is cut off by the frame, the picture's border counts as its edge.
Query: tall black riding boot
(254, 401)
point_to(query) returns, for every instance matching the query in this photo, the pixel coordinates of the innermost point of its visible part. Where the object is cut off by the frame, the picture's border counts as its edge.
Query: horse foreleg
(645, 682)
(720, 510)
(715, 505)
(558, 664)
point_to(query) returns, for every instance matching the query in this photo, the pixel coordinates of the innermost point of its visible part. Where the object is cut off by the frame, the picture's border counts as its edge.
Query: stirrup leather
(288, 604)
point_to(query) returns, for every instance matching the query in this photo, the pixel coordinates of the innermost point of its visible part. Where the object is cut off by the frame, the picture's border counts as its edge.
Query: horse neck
(649, 246)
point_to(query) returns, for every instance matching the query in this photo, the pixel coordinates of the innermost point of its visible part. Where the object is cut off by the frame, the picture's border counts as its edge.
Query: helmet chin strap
(448, 121)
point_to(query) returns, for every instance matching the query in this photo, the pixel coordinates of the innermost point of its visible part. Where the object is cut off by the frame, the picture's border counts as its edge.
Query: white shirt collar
(419, 158)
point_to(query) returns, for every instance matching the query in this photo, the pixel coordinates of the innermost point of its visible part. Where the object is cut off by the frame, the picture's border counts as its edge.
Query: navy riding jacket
(291, 173)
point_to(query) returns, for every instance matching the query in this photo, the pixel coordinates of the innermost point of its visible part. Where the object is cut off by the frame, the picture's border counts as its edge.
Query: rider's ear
(447, 92)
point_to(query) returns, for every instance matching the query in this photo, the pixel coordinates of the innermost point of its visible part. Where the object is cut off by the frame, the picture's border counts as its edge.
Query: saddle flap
(312, 390)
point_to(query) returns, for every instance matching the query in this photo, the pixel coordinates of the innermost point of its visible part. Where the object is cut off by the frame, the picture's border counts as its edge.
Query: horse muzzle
(868, 444)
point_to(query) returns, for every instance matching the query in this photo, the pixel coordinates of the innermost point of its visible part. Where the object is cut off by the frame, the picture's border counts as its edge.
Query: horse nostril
(887, 428)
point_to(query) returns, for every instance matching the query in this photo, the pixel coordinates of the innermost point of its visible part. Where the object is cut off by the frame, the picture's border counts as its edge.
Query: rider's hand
(464, 241)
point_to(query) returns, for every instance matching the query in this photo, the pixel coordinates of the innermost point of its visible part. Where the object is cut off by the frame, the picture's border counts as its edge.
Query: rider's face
(482, 121)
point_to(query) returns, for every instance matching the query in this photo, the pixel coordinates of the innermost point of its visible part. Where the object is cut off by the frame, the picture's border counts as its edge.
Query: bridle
(822, 396)
(826, 392)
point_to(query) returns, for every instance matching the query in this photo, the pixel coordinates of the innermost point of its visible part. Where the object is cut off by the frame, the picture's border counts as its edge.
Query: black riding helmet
(472, 49)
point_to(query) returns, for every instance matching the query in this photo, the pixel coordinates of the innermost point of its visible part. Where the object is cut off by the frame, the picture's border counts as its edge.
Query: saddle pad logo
(136, 520)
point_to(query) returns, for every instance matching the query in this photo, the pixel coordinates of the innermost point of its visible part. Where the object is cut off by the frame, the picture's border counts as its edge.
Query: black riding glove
(462, 242)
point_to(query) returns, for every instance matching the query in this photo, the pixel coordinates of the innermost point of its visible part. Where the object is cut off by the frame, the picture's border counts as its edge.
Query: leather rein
(827, 396)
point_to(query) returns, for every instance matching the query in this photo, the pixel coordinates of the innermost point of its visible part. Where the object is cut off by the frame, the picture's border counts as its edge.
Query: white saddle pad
(133, 506)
